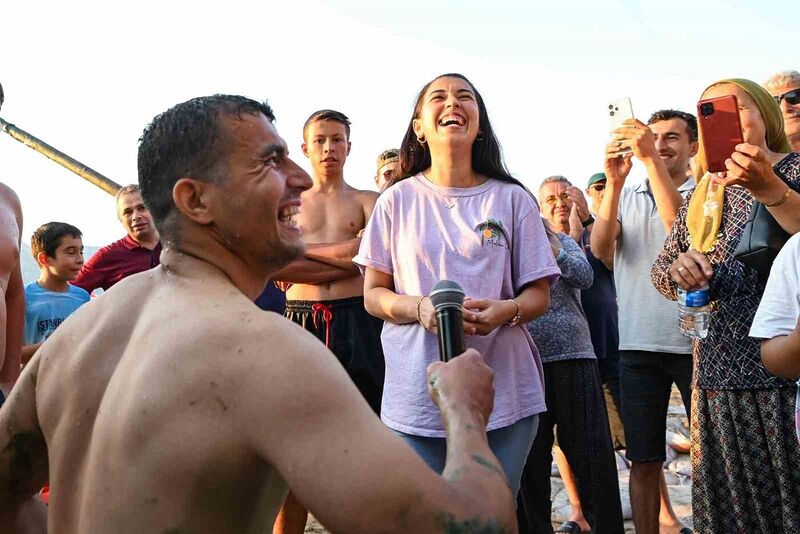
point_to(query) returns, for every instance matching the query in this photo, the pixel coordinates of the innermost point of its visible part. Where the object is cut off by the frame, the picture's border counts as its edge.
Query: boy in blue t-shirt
(58, 249)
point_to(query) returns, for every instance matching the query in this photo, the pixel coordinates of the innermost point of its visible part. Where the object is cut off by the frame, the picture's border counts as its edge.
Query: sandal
(571, 527)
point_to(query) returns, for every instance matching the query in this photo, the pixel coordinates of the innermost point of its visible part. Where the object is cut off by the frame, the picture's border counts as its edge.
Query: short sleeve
(375, 250)
(532, 259)
(780, 305)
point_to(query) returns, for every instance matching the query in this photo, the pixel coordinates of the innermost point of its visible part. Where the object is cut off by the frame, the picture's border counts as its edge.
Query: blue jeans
(510, 444)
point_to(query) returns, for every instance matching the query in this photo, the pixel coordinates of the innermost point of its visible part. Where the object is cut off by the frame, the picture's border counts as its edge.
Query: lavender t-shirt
(489, 239)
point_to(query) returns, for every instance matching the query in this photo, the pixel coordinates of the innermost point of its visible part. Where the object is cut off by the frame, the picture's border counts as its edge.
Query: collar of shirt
(688, 185)
(131, 244)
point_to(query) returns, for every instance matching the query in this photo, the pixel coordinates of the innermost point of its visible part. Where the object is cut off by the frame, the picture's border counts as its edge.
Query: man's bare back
(12, 304)
(130, 409)
(333, 217)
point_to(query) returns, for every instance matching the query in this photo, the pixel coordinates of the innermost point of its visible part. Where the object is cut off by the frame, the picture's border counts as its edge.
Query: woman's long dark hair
(487, 157)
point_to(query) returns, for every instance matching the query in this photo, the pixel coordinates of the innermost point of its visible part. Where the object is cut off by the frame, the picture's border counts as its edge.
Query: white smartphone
(619, 111)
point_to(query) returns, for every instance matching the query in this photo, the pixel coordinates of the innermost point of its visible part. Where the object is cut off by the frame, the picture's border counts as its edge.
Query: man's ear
(190, 197)
(349, 146)
(42, 259)
(694, 146)
(304, 148)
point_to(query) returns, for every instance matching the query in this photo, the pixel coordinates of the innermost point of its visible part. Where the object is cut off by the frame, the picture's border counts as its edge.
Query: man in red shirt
(138, 251)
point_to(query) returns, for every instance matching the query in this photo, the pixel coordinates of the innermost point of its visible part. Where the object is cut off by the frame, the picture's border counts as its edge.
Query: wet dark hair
(188, 140)
(48, 236)
(487, 156)
(327, 115)
(667, 114)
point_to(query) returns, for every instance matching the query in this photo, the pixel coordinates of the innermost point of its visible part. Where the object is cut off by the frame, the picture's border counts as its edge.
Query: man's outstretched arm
(351, 471)
(23, 458)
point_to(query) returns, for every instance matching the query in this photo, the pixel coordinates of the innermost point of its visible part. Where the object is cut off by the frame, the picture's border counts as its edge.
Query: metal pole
(87, 173)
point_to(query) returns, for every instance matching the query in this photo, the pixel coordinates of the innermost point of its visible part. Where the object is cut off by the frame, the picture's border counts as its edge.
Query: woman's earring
(479, 137)
(421, 139)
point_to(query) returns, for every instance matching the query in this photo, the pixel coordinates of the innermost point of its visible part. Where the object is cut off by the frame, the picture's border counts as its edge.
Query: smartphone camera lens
(611, 106)
(706, 109)
(611, 113)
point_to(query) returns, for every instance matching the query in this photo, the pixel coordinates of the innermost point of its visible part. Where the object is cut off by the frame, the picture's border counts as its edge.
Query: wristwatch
(588, 221)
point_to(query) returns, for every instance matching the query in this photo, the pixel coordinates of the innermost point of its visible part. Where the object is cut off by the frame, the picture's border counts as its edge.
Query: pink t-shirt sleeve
(375, 249)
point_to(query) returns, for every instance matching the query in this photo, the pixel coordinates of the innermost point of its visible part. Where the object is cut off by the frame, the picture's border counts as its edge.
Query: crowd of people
(171, 403)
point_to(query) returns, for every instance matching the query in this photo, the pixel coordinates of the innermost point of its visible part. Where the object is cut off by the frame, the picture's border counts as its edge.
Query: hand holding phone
(619, 111)
(720, 130)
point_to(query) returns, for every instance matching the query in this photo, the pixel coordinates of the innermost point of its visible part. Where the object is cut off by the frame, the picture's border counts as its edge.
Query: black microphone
(447, 298)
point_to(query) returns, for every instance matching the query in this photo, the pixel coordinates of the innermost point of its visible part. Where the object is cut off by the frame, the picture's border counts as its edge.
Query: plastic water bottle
(693, 312)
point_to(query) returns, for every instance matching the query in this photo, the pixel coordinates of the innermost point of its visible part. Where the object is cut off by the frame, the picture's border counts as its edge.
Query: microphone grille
(446, 293)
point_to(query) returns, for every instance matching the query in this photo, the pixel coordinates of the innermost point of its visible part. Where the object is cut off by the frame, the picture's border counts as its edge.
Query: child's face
(68, 259)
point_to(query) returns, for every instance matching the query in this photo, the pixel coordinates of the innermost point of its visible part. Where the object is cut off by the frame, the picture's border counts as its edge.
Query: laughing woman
(459, 215)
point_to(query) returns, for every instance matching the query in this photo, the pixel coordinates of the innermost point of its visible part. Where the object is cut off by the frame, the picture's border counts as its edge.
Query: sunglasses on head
(792, 97)
(598, 187)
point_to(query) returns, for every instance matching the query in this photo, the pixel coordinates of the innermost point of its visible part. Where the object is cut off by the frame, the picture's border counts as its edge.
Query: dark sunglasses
(792, 97)
(597, 187)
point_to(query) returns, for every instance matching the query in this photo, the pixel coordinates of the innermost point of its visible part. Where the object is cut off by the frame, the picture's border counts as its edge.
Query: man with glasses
(785, 88)
(631, 227)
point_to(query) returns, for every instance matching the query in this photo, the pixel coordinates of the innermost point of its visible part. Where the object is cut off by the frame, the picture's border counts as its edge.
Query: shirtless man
(195, 408)
(332, 308)
(12, 305)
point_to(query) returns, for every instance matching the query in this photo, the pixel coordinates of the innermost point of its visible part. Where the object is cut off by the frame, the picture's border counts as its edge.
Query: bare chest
(331, 218)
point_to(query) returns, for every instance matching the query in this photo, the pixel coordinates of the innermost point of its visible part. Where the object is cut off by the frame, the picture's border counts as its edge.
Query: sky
(87, 76)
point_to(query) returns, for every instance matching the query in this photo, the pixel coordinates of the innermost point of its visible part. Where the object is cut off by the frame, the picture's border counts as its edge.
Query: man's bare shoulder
(9, 198)
(366, 195)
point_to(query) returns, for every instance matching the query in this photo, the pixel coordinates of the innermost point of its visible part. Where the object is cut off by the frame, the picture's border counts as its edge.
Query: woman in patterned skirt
(745, 457)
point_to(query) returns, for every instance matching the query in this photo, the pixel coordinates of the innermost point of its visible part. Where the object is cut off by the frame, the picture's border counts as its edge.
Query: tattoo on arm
(478, 459)
(451, 525)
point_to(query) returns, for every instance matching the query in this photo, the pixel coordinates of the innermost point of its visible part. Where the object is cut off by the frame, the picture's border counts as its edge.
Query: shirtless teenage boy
(333, 214)
(12, 305)
(333, 308)
(195, 408)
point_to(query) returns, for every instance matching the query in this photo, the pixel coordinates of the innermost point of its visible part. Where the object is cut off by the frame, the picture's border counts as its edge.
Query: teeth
(289, 215)
(451, 120)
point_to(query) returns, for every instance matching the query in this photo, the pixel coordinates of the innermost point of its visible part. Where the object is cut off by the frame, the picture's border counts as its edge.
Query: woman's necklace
(448, 201)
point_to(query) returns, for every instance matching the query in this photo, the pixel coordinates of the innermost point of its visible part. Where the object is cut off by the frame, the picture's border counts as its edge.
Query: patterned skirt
(745, 461)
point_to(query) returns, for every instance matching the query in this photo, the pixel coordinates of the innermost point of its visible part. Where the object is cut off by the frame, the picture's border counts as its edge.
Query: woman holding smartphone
(458, 214)
(745, 457)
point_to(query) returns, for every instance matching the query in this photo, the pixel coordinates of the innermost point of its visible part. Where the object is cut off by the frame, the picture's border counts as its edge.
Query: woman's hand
(482, 316)
(691, 270)
(427, 315)
(750, 168)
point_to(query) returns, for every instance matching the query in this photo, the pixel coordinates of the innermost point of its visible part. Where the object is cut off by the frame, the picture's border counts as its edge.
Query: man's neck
(561, 227)
(208, 260)
(52, 283)
(326, 182)
(679, 179)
